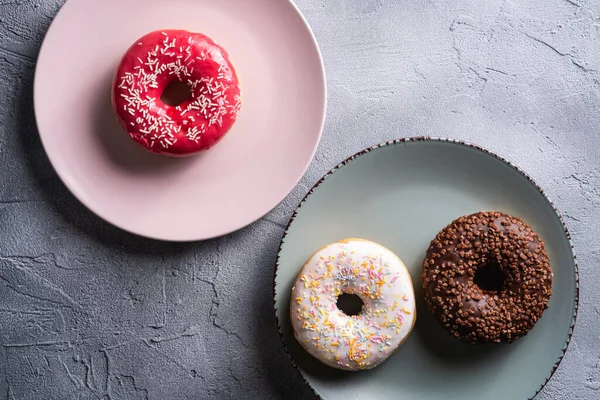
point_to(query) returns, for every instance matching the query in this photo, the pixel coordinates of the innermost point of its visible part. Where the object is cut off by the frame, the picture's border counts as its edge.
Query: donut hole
(350, 304)
(490, 277)
(176, 93)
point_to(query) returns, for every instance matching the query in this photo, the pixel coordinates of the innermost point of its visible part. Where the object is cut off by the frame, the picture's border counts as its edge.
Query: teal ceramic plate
(400, 194)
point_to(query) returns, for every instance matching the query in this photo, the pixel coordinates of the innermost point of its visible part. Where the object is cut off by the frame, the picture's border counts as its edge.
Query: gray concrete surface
(89, 312)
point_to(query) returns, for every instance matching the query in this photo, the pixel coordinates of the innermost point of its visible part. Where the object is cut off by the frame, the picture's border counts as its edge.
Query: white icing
(379, 278)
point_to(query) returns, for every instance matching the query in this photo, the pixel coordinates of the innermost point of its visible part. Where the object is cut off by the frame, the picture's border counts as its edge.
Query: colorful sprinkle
(364, 269)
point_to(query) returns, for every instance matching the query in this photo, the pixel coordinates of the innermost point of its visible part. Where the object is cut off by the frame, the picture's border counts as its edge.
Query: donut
(160, 59)
(353, 267)
(487, 278)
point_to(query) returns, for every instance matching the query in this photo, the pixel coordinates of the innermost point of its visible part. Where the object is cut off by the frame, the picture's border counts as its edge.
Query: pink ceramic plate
(230, 186)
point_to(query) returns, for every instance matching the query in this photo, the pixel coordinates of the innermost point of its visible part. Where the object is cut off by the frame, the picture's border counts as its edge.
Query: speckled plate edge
(433, 139)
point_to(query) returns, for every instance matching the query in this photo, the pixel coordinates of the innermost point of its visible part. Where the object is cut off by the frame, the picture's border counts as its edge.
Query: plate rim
(457, 142)
(168, 238)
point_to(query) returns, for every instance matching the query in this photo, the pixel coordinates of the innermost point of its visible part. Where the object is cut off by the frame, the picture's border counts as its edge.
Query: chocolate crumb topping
(487, 278)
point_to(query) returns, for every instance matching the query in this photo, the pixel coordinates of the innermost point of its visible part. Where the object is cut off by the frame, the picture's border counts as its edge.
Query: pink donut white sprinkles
(160, 59)
(379, 278)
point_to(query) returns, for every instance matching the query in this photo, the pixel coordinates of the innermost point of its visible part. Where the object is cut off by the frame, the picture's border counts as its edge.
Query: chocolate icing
(463, 308)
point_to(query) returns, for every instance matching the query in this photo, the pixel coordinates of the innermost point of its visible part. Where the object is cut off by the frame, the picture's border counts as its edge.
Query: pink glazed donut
(160, 59)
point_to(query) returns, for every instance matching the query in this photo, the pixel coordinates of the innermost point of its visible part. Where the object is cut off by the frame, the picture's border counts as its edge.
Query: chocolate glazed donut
(487, 278)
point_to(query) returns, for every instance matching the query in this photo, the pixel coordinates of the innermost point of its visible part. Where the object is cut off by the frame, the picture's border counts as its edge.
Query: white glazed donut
(379, 278)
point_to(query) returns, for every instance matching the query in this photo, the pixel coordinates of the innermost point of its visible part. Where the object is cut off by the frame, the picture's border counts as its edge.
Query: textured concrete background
(89, 312)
